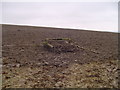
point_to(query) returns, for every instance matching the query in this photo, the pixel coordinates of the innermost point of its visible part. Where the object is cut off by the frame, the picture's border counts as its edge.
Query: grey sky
(102, 16)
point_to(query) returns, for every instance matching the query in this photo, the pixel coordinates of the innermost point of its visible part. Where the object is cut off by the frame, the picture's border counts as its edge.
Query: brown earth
(27, 64)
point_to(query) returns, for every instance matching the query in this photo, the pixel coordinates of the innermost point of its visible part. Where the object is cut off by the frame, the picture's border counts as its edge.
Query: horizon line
(94, 30)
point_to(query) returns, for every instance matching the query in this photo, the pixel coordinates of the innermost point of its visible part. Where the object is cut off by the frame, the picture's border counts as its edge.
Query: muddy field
(26, 63)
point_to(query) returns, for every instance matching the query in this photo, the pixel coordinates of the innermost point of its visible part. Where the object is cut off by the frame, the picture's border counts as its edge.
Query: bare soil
(27, 64)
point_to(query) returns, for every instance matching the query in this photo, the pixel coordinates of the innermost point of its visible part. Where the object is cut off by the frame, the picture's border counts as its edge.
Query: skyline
(101, 16)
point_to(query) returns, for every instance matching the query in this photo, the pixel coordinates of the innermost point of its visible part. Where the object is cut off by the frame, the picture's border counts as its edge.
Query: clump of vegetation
(59, 45)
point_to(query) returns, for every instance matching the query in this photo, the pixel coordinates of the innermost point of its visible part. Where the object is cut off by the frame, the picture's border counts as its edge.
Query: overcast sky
(101, 16)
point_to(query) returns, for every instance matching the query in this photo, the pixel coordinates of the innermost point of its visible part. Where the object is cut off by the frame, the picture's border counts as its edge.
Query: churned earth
(26, 63)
